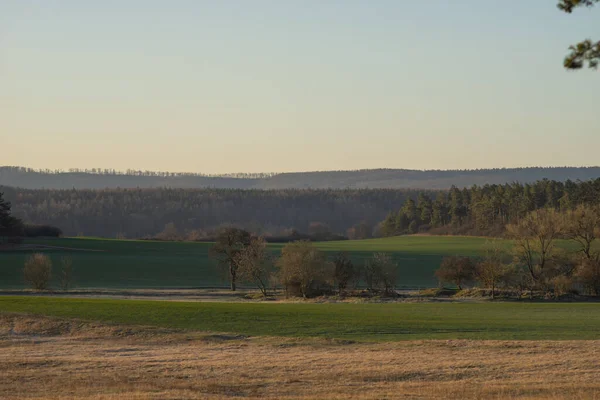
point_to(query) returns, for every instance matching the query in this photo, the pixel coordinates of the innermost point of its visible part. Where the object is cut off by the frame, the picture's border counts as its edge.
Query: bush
(304, 270)
(588, 275)
(437, 292)
(38, 271)
(42, 230)
(562, 285)
(14, 240)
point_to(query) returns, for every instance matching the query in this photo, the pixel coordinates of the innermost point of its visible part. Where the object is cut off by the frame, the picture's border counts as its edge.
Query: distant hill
(361, 179)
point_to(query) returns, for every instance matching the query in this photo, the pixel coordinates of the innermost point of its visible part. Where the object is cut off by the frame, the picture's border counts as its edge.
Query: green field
(147, 264)
(363, 322)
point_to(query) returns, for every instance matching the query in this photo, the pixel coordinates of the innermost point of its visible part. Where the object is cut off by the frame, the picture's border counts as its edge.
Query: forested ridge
(486, 210)
(98, 178)
(138, 213)
(358, 213)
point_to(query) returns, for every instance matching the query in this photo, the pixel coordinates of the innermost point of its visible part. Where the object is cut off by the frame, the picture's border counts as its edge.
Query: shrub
(562, 285)
(38, 271)
(42, 230)
(588, 274)
(304, 270)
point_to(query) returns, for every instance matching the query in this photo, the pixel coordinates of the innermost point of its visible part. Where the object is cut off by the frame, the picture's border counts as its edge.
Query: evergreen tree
(9, 225)
(424, 208)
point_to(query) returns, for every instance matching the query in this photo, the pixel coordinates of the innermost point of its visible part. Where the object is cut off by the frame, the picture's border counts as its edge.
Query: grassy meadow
(119, 264)
(360, 322)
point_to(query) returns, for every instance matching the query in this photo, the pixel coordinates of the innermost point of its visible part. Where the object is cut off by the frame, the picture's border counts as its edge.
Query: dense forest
(357, 213)
(485, 210)
(197, 213)
(98, 178)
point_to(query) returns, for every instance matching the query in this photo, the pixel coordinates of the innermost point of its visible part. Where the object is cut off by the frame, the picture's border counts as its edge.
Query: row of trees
(129, 172)
(486, 210)
(536, 261)
(302, 269)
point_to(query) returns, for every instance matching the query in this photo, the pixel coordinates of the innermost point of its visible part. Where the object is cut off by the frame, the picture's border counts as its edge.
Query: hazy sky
(274, 85)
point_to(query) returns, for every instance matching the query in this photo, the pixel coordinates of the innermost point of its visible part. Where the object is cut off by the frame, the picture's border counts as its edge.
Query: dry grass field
(46, 358)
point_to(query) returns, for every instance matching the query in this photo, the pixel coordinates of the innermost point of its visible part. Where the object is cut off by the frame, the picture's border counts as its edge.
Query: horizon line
(261, 175)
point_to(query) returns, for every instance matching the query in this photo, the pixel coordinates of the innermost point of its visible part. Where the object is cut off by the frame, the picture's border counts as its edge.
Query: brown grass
(56, 359)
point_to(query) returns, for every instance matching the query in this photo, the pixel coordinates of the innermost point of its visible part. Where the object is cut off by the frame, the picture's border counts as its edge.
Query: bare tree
(38, 271)
(344, 271)
(254, 264)
(230, 242)
(66, 273)
(381, 273)
(535, 239)
(456, 270)
(583, 227)
(492, 269)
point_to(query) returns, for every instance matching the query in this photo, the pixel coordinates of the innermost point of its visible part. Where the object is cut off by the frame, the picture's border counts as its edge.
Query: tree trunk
(232, 276)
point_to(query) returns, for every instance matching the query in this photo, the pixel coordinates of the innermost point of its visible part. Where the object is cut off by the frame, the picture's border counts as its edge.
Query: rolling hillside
(361, 179)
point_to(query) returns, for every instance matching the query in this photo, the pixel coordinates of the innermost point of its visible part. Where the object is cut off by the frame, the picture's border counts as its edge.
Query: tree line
(486, 210)
(301, 269)
(536, 261)
(551, 253)
(98, 178)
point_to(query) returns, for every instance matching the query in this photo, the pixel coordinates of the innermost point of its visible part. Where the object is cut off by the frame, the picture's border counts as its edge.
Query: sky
(280, 85)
